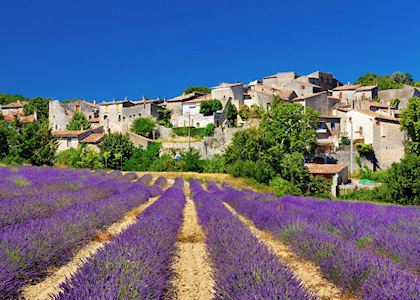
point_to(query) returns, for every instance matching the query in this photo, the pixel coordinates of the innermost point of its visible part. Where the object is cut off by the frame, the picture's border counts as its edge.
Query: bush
(283, 187)
(116, 149)
(241, 169)
(82, 157)
(78, 122)
(143, 127)
(215, 165)
(209, 129)
(191, 161)
(199, 89)
(402, 184)
(244, 112)
(141, 159)
(165, 163)
(261, 171)
(344, 140)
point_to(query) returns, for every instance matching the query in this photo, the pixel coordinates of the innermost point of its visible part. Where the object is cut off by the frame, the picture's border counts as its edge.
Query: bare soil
(193, 279)
(50, 286)
(306, 271)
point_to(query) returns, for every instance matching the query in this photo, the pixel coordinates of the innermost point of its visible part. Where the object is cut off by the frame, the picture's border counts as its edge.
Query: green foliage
(361, 195)
(199, 89)
(410, 122)
(215, 165)
(246, 145)
(416, 84)
(165, 163)
(191, 161)
(209, 107)
(209, 129)
(82, 157)
(38, 104)
(200, 132)
(244, 112)
(164, 116)
(117, 148)
(344, 140)
(31, 143)
(257, 112)
(78, 122)
(231, 114)
(395, 103)
(141, 159)
(8, 98)
(394, 81)
(402, 184)
(143, 127)
(260, 170)
(283, 187)
(364, 150)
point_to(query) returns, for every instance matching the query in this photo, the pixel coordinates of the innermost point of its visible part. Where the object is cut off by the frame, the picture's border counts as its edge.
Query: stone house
(175, 105)
(326, 81)
(14, 108)
(380, 130)
(319, 102)
(117, 116)
(262, 95)
(403, 95)
(279, 79)
(330, 170)
(73, 138)
(229, 93)
(354, 94)
(60, 114)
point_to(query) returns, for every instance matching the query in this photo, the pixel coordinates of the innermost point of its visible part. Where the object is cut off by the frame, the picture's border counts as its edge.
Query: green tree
(289, 128)
(402, 78)
(119, 147)
(78, 122)
(142, 159)
(246, 144)
(209, 129)
(244, 112)
(384, 82)
(410, 122)
(209, 107)
(402, 184)
(199, 89)
(38, 104)
(231, 114)
(8, 98)
(143, 126)
(257, 112)
(192, 161)
(164, 116)
(81, 157)
(37, 144)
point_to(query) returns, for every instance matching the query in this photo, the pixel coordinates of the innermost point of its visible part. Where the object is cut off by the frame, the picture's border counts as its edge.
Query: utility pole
(189, 131)
(351, 147)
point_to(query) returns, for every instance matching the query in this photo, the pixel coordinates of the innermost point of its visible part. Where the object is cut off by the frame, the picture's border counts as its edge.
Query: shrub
(78, 122)
(263, 172)
(209, 129)
(191, 161)
(244, 112)
(242, 169)
(116, 149)
(199, 89)
(141, 159)
(165, 163)
(215, 165)
(283, 187)
(143, 127)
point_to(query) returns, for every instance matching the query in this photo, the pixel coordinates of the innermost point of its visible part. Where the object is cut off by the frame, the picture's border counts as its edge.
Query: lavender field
(255, 246)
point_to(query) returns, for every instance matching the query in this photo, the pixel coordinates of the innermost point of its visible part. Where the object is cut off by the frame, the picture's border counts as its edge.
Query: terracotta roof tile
(325, 168)
(366, 88)
(69, 133)
(93, 138)
(347, 87)
(377, 115)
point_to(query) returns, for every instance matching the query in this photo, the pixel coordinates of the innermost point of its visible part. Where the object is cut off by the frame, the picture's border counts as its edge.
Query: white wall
(363, 121)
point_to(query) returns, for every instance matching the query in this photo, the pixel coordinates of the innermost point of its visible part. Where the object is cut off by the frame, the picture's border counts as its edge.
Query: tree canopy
(231, 114)
(78, 122)
(116, 149)
(38, 104)
(143, 127)
(410, 122)
(199, 89)
(386, 82)
(9, 98)
(209, 107)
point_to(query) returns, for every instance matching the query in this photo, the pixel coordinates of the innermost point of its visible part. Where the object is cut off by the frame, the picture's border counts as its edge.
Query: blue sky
(111, 49)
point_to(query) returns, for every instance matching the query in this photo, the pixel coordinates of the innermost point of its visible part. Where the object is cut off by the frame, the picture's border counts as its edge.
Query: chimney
(35, 115)
(158, 98)
(113, 100)
(126, 98)
(94, 101)
(164, 99)
(143, 98)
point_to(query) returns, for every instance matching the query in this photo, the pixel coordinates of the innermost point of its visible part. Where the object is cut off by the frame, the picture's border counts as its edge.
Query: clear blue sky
(111, 49)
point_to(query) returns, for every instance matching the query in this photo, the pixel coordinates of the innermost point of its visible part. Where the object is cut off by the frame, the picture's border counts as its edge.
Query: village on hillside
(348, 112)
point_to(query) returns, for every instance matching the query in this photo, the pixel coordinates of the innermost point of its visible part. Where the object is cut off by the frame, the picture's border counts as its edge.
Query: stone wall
(57, 116)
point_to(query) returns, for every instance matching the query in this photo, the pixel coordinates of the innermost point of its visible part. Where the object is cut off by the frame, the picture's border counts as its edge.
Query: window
(119, 118)
(107, 108)
(68, 142)
(105, 117)
(198, 124)
(118, 107)
(303, 87)
(78, 108)
(340, 95)
(56, 127)
(332, 125)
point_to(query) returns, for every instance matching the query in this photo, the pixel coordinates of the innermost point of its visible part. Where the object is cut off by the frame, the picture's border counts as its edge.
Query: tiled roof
(377, 115)
(309, 96)
(185, 97)
(205, 97)
(366, 88)
(23, 119)
(375, 104)
(93, 138)
(69, 133)
(325, 168)
(347, 87)
(225, 85)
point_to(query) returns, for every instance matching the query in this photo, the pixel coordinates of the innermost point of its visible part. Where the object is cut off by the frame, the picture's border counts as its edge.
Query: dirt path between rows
(50, 286)
(192, 268)
(303, 269)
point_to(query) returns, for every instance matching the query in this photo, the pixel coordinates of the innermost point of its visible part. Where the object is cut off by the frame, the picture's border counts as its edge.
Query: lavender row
(355, 269)
(138, 263)
(27, 250)
(385, 230)
(243, 267)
